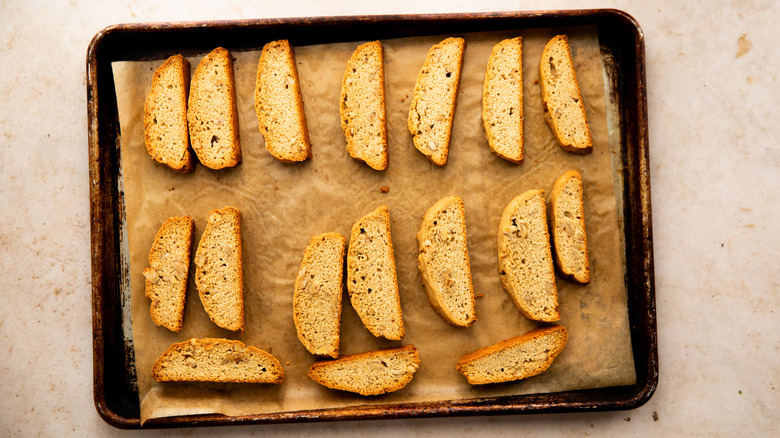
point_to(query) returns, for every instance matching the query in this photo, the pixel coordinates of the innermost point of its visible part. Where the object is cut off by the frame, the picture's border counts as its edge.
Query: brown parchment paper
(284, 205)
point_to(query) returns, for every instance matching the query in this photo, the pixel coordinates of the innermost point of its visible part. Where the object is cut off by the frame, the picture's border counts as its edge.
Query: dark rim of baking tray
(619, 34)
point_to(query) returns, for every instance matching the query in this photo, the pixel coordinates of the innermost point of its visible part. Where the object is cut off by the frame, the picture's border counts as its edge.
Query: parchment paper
(284, 205)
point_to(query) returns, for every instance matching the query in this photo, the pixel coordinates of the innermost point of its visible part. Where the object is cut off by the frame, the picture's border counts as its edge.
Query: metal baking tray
(622, 47)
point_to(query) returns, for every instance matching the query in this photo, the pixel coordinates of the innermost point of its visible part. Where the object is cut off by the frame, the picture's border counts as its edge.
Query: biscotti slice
(433, 104)
(216, 360)
(219, 273)
(165, 115)
(514, 359)
(502, 100)
(212, 114)
(564, 110)
(317, 297)
(362, 106)
(371, 277)
(570, 242)
(369, 373)
(166, 276)
(444, 262)
(279, 104)
(525, 259)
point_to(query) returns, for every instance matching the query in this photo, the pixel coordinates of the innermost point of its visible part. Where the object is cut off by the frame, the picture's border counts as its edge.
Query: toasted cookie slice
(514, 359)
(369, 373)
(317, 298)
(502, 100)
(568, 224)
(212, 113)
(168, 271)
(219, 273)
(165, 115)
(362, 106)
(279, 104)
(371, 277)
(433, 104)
(525, 259)
(444, 262)
(564, 110)
(216, 360)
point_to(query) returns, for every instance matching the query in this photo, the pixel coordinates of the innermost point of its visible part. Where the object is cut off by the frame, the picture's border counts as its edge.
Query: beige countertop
(715, 160)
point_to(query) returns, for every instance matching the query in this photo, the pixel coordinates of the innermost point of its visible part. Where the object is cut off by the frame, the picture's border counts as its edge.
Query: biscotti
(165, 115)
(514, 359)
(216, 360)
(570, 243)
(502, 100)
(525, 259)
(317, 297)
(443, 260)
(562, 102)
(279, 104)
(168, 271)
(433, 104)
(362, 106)
(212, 113)
(369, 373)
(371, 276)
(219, 273)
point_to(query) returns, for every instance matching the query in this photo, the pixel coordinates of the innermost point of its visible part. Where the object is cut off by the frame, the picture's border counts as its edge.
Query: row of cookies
(204, 114)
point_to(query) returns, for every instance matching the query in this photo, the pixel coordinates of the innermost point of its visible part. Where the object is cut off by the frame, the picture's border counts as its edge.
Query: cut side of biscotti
(443, 260)
(216, 360)
(317, 298)
(165, 115)
(168, 271)
(514, 359)
(562, 102)
(371, 276)
(212, 114)
(279, 104)
(502, 100)
(369, 373)
(570, 243)
(219, 272)
(433, 104)
(362, 106)
(525, 259)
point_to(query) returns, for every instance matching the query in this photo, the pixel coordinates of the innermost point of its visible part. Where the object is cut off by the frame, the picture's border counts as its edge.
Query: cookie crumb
(479, 296)
(384, 189)
(287, 363)
(655, 416)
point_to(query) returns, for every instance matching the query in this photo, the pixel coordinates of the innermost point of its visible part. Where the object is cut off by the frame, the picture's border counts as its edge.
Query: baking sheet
(283, 205)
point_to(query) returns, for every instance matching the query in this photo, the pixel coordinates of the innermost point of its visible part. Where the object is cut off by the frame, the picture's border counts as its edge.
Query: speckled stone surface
(712, 77)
